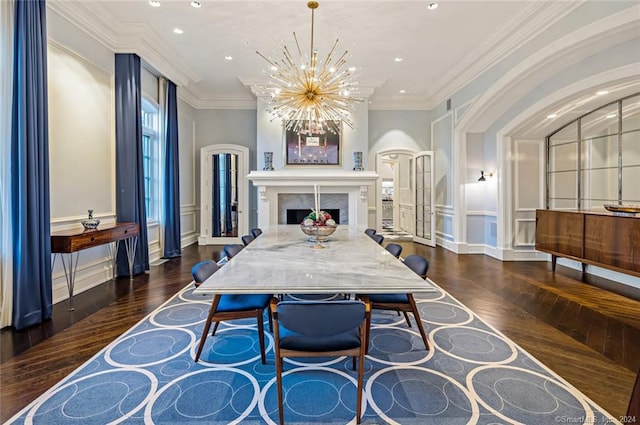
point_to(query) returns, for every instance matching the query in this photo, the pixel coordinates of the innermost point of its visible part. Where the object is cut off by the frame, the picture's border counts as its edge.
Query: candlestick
(316, 200)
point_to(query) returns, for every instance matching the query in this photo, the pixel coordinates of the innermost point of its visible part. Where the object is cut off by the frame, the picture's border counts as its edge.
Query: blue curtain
(30, 212)
(172, 243)
(130, 206)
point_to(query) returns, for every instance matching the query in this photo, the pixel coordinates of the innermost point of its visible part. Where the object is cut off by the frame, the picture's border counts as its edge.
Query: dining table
(284, 260)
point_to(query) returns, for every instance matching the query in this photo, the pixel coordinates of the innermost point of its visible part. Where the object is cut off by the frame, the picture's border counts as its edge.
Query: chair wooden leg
(360, 379)
(279, 385)
(207, 325)
(259, 319)
(368, 324)
(416, 315)
(215, 328)
(406, 317)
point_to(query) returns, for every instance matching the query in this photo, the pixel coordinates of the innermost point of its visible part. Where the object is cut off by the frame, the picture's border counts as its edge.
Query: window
(595, 160)
(151, 158)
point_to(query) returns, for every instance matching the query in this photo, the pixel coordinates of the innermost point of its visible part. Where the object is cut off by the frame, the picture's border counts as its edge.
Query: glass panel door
(424, 199)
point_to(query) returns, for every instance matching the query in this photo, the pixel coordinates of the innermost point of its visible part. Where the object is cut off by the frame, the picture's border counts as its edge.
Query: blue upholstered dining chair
(232, 250)
(255, 232)
(370, 232)
(247, 239)
(319, 329)
(231, 307)
(202, 270)
(394, 249)
(378, 238)
(404, 303)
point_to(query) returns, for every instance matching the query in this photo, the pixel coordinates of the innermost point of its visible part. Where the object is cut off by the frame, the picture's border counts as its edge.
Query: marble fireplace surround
(271, 184)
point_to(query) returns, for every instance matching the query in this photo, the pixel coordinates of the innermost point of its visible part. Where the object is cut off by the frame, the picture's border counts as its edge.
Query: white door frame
(205, 193)
(432, 231)
(379, 155)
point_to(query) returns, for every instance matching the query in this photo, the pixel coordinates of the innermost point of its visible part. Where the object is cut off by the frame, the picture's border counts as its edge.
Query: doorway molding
(206, 154)
(379, 161)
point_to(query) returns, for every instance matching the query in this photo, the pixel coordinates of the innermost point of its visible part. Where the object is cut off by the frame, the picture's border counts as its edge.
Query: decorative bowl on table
(622, 209)
(322, 233)
(319, 229)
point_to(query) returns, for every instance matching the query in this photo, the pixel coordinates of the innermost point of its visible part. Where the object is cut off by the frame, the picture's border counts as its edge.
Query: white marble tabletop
(283, 260)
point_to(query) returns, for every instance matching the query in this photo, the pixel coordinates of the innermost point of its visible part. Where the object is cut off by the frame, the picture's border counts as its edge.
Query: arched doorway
(224, 198)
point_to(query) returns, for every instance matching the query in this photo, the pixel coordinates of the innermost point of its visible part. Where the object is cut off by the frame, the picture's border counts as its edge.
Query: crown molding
(100, 24)
(146, 43)
(573, 48)
(216, 101)
(400, 103)
(530, 22)
(100, 27)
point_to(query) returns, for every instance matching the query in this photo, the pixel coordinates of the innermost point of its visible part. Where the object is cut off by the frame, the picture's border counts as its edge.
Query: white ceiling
(442, 49)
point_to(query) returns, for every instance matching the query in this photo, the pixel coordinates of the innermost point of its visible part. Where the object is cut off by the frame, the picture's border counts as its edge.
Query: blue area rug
(472, 375)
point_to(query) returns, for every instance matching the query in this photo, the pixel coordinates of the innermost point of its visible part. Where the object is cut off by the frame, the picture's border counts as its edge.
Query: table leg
(113, 253)
(130, 244)
(70, 266)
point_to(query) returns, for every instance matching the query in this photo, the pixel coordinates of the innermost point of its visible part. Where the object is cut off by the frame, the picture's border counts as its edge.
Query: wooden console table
(69, 243)
(599, 238)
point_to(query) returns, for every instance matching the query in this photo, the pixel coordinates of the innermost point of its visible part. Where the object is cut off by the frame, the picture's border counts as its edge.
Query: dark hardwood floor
(587, 335)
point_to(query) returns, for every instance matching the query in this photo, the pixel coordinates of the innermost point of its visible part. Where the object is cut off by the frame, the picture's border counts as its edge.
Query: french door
(424, 197)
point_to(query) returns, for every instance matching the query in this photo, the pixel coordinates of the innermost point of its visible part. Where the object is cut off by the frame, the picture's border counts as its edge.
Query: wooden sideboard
(598, 238)
(69, 243)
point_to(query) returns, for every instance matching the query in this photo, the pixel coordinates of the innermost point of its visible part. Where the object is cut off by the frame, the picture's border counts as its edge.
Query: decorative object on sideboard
(630, 210)
(90, 223)
(268, 161)
(357, 161)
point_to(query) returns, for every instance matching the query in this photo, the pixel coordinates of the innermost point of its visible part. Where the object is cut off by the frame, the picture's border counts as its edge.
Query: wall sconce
(482, 177)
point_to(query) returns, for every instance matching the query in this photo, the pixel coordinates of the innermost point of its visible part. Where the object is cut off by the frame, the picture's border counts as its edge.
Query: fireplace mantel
(322, 177)
(272, 183)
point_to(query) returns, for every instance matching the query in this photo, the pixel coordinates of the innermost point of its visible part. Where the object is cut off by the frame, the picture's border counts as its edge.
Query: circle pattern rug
(472, 374)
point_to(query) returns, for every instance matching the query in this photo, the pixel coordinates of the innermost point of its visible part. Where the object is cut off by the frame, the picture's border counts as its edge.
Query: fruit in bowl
(319, 226)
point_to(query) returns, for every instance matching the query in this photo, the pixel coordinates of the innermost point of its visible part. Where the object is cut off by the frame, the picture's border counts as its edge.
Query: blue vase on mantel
(357, 161)
(268, 161)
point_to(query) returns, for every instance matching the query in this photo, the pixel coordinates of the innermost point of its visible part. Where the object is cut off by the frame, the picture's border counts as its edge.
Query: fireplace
(336, 202)
(342, 190)
(295, 216)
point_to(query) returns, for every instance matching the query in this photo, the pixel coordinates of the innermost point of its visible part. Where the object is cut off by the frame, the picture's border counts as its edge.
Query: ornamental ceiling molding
(532, 21)
(570, 49)
(102, 26)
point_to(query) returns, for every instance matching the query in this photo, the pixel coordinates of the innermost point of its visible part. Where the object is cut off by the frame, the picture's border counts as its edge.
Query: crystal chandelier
(303, 89)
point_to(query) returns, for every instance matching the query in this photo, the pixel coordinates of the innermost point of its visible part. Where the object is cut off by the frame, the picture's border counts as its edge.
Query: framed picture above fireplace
(313, 144)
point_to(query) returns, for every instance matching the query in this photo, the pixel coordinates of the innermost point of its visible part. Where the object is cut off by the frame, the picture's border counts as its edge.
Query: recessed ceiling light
(155, 3)
(552, 115)
(602, 92)
(178, 31)
(196, 4)
(398, 59)
(274, 68)
(612, 115)
(403, 91)
(228, 57)
(432, 6)
(352, 68)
